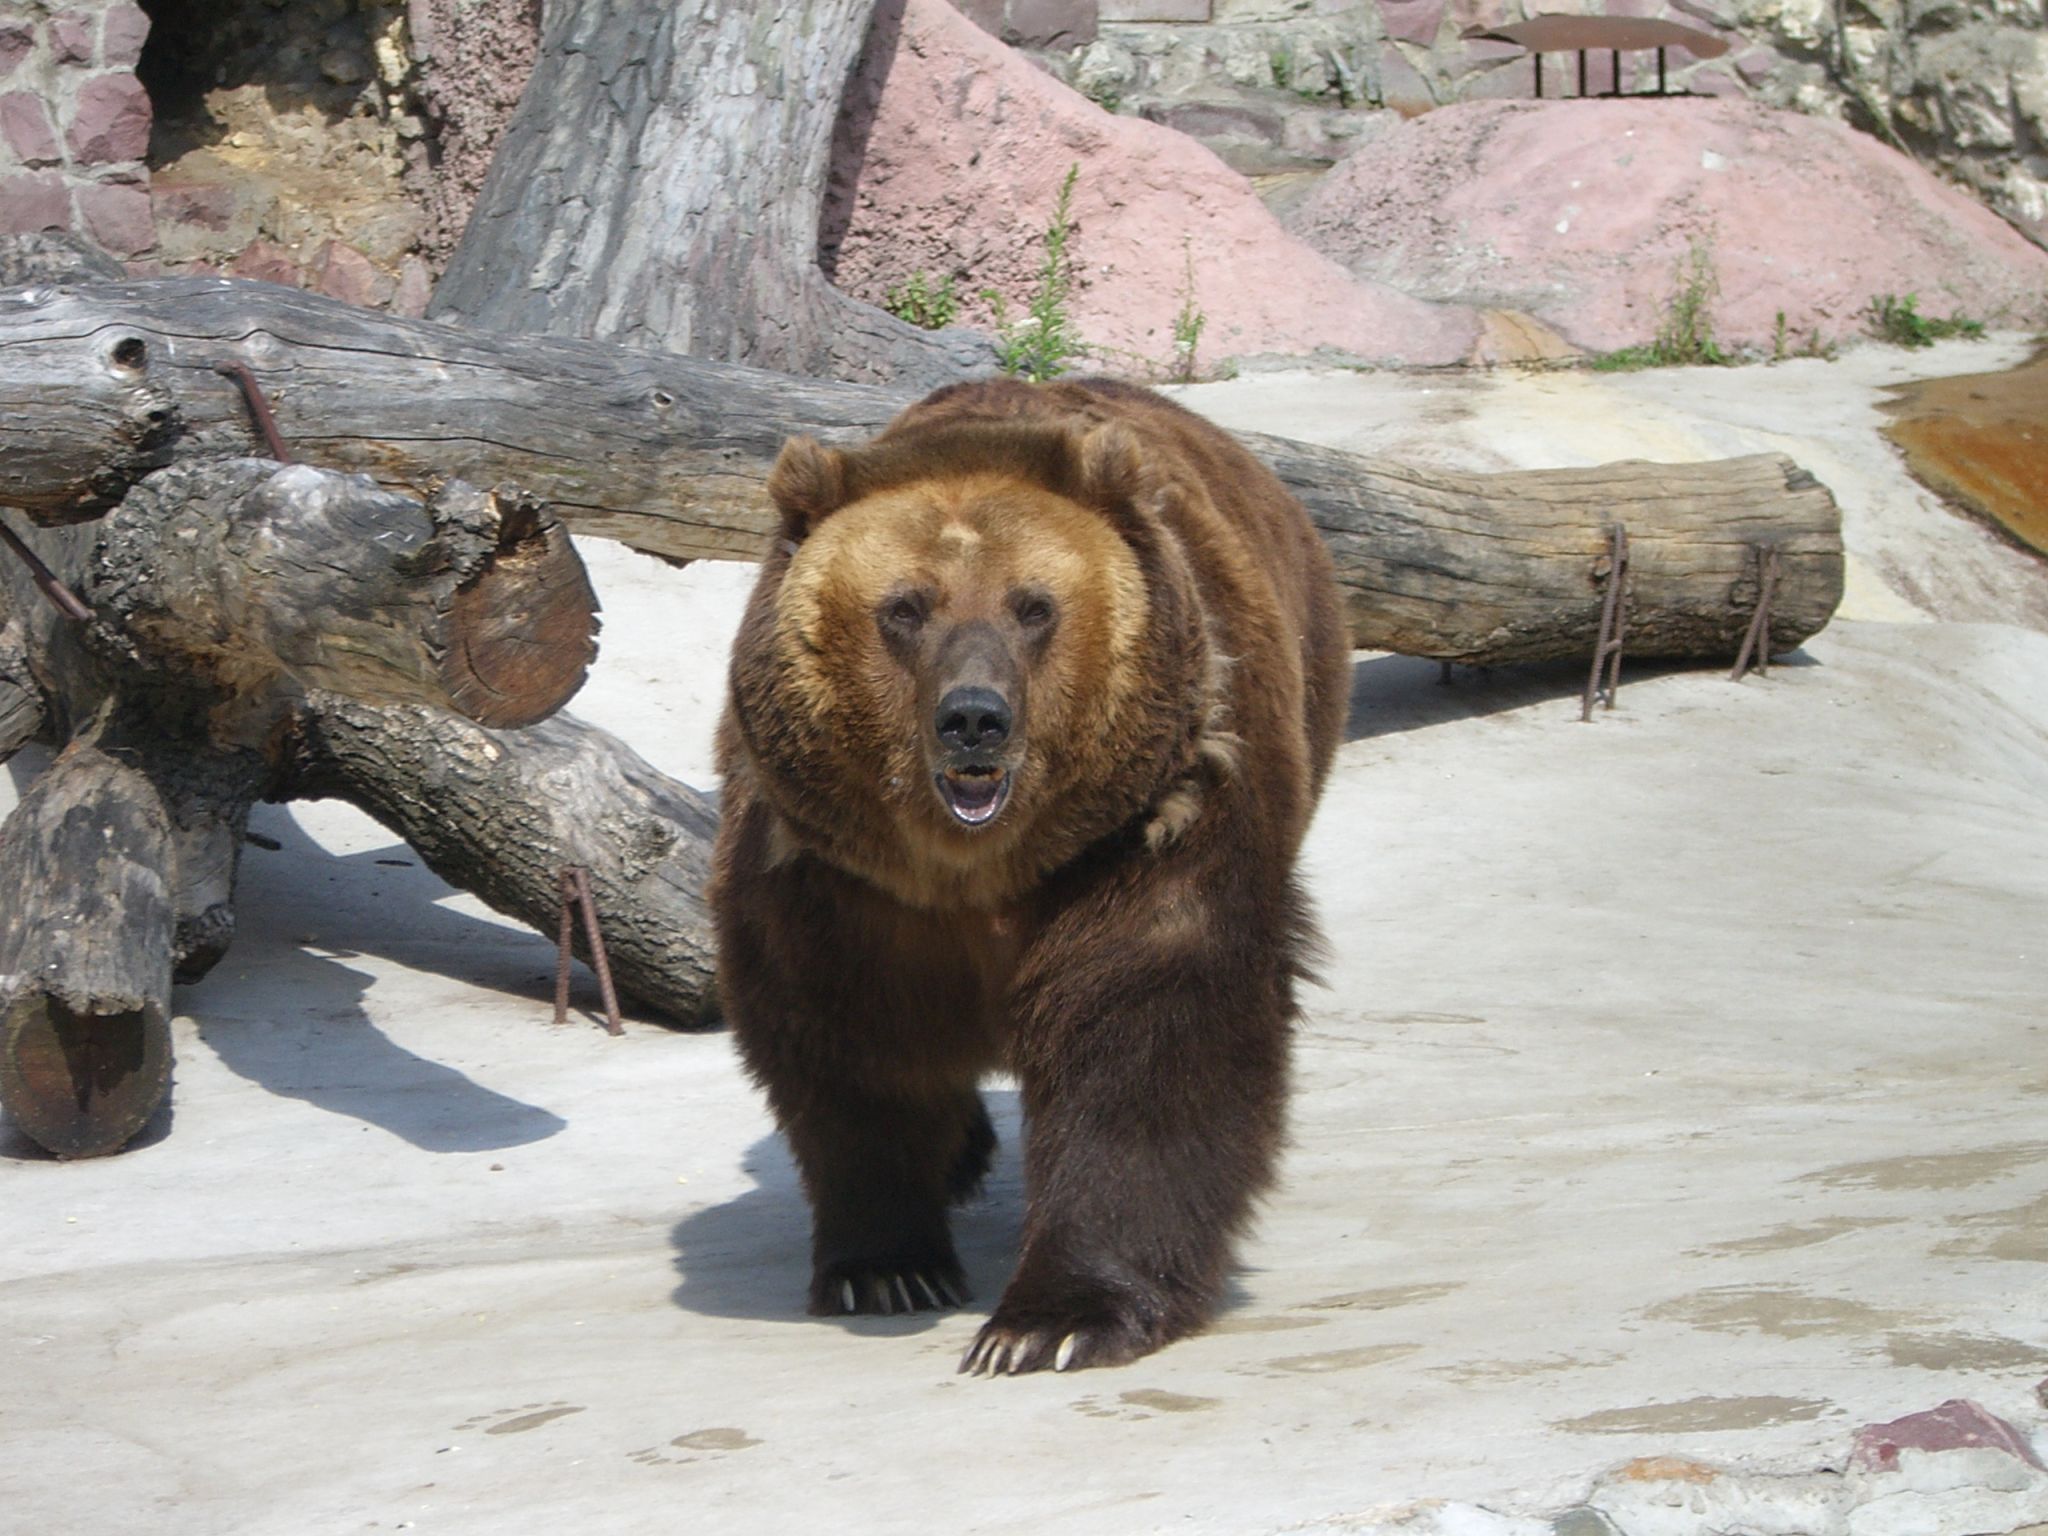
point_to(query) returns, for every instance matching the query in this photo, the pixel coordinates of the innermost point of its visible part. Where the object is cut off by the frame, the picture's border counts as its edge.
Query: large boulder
(1584, 214)
(960, 172)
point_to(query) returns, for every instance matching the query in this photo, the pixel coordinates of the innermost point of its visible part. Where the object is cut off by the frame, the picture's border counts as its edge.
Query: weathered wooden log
(499, 813)
(85, 955)
(668, 454)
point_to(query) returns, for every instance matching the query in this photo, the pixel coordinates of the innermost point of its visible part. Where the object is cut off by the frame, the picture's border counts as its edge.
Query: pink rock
(264, 261)
(74, 37)
(1413, 21)
(1956, 1425)
(17, 42)
(122, 33)
(342, 272)
(964, 163)
(26, 127)
(117, 216)
(415, 288)
(109, 120)
(1580, 213)
(33, 202)
(1401, 84)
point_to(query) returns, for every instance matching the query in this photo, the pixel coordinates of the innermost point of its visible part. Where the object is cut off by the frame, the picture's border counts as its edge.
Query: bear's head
(976, 650)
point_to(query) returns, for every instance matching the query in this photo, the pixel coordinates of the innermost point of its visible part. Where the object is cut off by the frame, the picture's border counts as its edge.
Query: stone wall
(331, 144)
(74, 123)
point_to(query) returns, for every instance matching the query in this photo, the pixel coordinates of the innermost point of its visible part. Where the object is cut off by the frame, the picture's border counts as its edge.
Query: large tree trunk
(661, 186)
(669, 453)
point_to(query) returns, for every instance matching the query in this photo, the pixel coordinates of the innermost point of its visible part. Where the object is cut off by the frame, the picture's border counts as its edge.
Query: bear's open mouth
(974, 795)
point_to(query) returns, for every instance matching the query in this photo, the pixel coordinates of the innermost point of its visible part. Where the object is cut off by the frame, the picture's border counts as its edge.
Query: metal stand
(1756, 645)
(575, 886)
(1613, 620)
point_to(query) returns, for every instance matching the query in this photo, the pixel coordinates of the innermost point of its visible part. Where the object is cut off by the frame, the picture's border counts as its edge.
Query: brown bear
(1028, 714)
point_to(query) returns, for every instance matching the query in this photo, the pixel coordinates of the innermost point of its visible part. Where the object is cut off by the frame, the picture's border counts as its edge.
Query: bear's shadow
(750, 1256)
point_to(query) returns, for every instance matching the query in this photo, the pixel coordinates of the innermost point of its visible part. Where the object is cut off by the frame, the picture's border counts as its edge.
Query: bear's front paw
(838, 1290)
(1017, 1340)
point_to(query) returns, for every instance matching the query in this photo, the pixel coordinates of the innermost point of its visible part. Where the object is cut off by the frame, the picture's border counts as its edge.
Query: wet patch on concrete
(1981, 440)
(1779, 1239)
(1963, 1352)
(1698, 1415)
(1780, 1311)
(1938, 1170)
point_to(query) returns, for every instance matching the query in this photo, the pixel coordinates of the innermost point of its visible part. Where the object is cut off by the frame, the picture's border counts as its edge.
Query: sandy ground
(1676, 1090)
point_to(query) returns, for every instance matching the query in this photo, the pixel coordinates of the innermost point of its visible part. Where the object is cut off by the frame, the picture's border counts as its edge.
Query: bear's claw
(998, 1351)
(888, 1292)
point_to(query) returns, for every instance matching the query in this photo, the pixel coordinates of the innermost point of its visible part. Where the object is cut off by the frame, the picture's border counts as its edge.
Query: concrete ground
(1676, 1092)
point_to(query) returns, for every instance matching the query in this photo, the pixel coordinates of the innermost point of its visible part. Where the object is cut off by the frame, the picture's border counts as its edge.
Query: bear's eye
(1033, 609)
(902, 614)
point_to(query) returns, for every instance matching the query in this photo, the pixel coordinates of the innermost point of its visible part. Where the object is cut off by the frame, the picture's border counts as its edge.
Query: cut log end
(82, 1084)
(524, 632)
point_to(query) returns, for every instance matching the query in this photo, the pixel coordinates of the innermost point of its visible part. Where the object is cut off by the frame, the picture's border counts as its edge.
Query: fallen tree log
(85, 955)
(499, 813)
(217, 598)
(668, 454)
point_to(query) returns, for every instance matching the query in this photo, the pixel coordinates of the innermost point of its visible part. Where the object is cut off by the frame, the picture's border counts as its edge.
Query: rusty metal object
(1613, 621)
(1585, 34)
(574, 882)
(259, 408)
(1758, 641)
(62, 598)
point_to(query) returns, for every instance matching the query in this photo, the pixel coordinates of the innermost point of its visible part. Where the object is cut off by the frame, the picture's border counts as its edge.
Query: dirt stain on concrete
(1779, 1311)
(1981, 440)
(525, 1421)
(1168, 1402)
(1344, 1359)
(2018, 1234)
(1382, 1299)
(1963, 1352)
(1468, 1372)
(1937, 1170)
(1697, 1415)
(721, 1438)
(1779, 1239)
(1273, 1324)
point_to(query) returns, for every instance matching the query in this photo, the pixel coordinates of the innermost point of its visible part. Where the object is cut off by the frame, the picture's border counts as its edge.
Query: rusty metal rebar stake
(1756, 644)
(61, 597)
(259, 408)
(574, 883)
(1613, 621)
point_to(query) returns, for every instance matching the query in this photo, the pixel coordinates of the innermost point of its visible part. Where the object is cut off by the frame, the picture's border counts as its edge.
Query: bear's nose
(972, 719)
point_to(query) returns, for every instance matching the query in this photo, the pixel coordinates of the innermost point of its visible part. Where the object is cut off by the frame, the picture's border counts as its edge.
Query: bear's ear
(1111, 466)
(807, 485)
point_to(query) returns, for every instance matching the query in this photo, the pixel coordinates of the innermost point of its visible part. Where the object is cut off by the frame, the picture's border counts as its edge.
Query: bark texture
(669, 454)
(499, 813)
(85, 955)
(660, 186)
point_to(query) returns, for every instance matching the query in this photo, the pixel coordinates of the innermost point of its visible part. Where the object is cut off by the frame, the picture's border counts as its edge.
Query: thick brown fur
(1100, 603)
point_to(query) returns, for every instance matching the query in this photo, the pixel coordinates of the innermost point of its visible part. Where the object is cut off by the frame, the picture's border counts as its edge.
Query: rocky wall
(75, 123)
